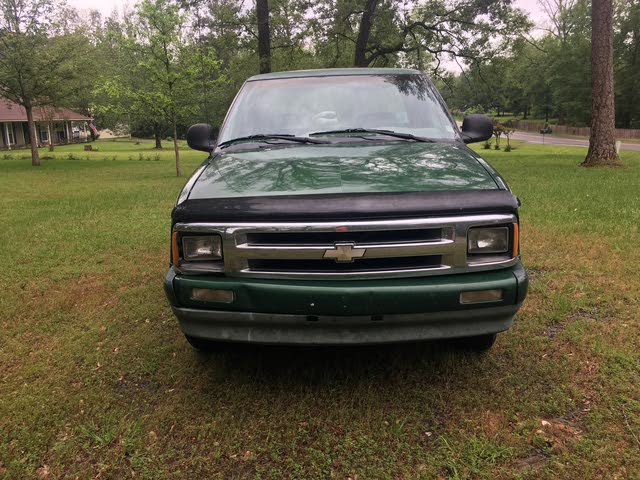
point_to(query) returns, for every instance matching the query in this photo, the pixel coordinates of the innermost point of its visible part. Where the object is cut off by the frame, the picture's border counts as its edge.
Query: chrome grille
(358, 237)
(345, 250)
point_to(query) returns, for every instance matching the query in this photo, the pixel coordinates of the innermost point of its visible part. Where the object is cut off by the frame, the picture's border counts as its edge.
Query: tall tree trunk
(33, 138)
(175, 146)
(264, 37)
(366, 22)
(602, 142)
(157, 136)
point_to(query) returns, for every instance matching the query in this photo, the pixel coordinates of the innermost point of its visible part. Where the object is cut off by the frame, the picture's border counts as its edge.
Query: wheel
(479, 343)
(203, 345)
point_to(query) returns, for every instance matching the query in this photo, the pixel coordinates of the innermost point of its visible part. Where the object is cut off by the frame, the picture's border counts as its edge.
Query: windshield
(406, 103)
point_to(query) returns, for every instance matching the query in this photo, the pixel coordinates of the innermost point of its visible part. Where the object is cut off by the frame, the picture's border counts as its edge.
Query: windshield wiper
(390, 133)
(271, 136)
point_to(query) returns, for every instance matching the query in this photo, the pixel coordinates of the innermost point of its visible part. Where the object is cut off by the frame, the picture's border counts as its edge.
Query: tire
(202, 345)
(479, 344)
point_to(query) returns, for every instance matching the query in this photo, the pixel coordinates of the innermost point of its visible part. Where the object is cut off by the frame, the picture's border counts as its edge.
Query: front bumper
(346, 312)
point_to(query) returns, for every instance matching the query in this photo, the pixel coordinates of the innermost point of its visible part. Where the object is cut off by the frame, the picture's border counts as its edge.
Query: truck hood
(339, 168)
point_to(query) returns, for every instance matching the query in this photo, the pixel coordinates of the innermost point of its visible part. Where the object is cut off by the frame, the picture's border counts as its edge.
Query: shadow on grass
(278, 365)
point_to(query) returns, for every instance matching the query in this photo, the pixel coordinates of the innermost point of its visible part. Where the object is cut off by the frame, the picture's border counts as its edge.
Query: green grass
(96, 379)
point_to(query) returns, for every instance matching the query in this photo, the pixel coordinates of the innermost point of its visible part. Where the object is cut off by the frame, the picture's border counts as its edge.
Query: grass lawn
(96, 379)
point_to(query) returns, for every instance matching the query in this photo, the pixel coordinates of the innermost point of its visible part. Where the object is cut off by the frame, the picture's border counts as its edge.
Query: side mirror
(476, 128)
(201, 136)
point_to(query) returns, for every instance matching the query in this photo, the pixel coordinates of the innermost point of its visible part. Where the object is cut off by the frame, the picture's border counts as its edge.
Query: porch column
(66, 129)
(6, 134)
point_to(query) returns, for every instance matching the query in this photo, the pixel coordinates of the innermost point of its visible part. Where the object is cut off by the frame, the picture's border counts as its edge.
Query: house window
(44, 135)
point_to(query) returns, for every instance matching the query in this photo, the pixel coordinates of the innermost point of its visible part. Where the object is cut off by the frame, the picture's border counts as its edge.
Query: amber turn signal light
(479, 296)
(175, 252)
(212, 295)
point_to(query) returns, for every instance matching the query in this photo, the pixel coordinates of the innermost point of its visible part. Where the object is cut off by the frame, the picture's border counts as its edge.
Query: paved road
(532, 137)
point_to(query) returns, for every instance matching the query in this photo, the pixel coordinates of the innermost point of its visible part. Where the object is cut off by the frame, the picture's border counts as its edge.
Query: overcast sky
(107, 6)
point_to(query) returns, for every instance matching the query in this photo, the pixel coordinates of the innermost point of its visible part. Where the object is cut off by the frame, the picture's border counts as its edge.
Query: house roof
(12, 112)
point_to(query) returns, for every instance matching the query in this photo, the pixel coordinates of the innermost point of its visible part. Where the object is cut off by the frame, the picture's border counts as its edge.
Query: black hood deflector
(343, 207)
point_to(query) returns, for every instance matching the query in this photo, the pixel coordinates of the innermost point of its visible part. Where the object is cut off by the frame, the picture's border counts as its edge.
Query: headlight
(488, 240)
(201, 247)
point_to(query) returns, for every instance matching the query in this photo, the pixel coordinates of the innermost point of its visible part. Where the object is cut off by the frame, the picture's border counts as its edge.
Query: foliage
(498, 131)
(308, 35)
(41, 56)
(550, 77)
(627, 64)
(36, 61)
(163, 76)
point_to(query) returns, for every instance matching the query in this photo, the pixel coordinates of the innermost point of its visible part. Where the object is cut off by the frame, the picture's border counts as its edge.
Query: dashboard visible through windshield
(302, 106)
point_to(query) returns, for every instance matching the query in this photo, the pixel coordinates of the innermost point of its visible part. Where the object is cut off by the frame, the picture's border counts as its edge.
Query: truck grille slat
(362, 265)
(329, 238)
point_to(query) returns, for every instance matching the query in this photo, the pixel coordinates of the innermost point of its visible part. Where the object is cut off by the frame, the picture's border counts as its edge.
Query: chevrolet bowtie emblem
(344, 252)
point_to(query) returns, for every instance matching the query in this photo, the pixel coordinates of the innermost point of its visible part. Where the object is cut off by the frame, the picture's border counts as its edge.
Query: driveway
(532, 137)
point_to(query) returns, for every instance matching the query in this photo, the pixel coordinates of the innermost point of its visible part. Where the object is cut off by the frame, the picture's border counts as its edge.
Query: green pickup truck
(342, 207)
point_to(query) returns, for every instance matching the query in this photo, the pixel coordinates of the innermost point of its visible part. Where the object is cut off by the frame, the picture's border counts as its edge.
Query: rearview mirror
(201, 136)
(476, 128)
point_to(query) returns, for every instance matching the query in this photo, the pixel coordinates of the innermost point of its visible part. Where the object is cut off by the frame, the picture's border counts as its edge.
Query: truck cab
(341, 207)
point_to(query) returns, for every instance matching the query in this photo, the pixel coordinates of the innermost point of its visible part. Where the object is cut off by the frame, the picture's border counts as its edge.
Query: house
(53, 125)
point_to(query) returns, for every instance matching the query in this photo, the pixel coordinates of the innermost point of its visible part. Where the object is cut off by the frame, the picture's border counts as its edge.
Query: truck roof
(330, 72)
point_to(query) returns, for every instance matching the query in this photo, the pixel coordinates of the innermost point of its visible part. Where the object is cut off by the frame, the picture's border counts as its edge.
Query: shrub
(474, 109)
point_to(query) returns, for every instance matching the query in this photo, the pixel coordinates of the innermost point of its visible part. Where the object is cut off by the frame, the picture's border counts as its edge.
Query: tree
(264, 36)
(568, 49)
(561, 15)
(37, 65)
(627, 65)
(366, 22)
(123, 98)
(602, 149)
(158, 27)
(465, 29)
(160, 73)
